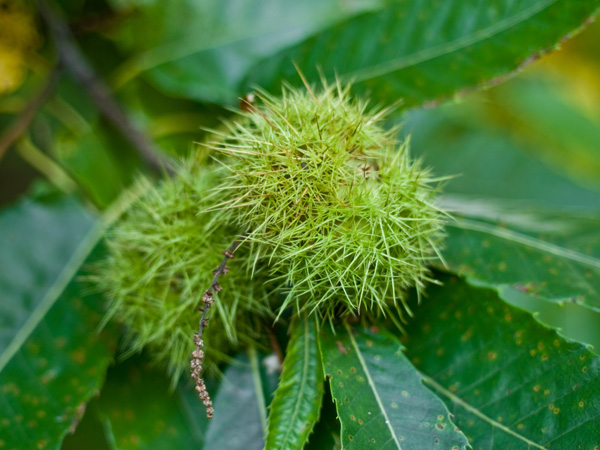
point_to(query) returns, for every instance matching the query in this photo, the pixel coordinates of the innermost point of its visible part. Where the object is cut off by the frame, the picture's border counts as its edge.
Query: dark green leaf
(420, 50)
(241, 404)
(488, 163)
(48, 381)
(139, 411)
(380, 397)
(511, 383)
(90, 162)
(90, 433)
(204, 50)
(542, 253)
(43, 244)
(297, 402)
(52, 359)
(490, 156)
(173, 123)
(92, 153)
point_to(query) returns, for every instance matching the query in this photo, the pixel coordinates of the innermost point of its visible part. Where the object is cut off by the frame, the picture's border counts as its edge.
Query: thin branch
(214, 286)
(77, 65)
(24, 120)
(207, 301)
(100, 21)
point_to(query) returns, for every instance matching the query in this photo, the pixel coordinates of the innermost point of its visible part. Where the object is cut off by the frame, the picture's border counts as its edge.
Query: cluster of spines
(335, 205)
(336, 210)
(160, 255)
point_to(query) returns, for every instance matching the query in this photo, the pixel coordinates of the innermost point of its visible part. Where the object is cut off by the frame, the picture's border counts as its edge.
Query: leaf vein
(446, 48)
(478, 413)
(538, 244)
(302, 383)
(373, 388)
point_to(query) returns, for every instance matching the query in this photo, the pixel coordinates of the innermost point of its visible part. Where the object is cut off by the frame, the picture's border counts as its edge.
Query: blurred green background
(533, 139)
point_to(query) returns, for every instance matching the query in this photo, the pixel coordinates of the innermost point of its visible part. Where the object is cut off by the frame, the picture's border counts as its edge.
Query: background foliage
(525, 239)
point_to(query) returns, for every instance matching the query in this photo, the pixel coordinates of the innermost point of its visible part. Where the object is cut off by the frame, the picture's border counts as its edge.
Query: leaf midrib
(372, 385)
(172, 51)
(302, 383)
(448, 47)
(66, 275)
(510, 235)
(473, 410)
(52, 294)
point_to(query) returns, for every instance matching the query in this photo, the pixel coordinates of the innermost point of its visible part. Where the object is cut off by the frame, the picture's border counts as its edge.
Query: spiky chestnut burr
(161, 254)
(335, 205)
(196, 365)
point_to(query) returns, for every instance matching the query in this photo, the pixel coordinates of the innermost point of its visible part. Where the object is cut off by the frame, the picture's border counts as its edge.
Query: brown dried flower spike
(207, 301)
(196, 364)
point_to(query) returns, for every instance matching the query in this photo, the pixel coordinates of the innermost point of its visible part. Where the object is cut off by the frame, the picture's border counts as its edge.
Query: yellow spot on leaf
(78, 355)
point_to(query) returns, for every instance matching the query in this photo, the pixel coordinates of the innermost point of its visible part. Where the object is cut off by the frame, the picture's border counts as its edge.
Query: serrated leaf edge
(303, 380)
(458, 44)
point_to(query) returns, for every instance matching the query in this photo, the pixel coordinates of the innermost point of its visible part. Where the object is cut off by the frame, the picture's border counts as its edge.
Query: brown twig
(22, 123)
(207, 301)
(214, 286)
(99, 21)
(77, 65)
(275, 346)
